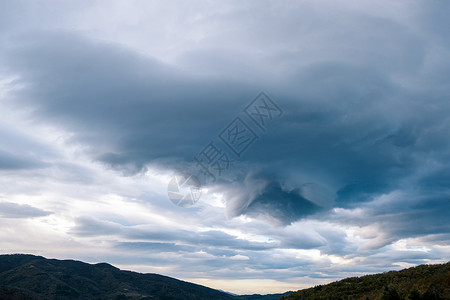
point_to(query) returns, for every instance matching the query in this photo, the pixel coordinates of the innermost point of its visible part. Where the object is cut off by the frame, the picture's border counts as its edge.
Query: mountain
(29, 277)
(424, 282)
(262, 297)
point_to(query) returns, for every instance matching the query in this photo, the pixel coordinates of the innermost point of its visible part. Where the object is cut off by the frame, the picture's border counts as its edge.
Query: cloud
(128, 112)
(352, 130)
(397, 216)
(267, 203)
(22, 151)
(94, 227)
(14, 210)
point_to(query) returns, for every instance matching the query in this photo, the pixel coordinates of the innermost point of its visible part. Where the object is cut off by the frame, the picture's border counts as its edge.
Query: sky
(318, 132)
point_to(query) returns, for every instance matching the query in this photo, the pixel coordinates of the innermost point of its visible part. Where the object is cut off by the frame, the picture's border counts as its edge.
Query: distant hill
(425, 282)
(29, 277)
(262, 297)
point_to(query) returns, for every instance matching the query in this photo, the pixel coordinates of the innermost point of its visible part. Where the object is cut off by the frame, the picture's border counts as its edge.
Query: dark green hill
(34, 277)
(29, 277)
(425, 282)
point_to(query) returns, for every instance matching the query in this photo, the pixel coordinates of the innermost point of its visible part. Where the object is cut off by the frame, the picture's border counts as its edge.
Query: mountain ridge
(26, 276)
(30, 277)
(423, 282)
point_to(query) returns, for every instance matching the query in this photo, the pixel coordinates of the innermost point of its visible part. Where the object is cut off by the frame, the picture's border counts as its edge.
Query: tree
(431, 294)
(390, 294)
(415, 295)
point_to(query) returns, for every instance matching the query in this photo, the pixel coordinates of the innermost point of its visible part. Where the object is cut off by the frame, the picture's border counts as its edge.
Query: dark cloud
(14, 210)
(400, 215)
(348, 128)
(266, 203)
(134, 109)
